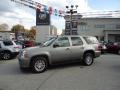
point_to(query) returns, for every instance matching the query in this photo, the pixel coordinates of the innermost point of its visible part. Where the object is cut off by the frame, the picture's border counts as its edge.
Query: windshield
(49, 42)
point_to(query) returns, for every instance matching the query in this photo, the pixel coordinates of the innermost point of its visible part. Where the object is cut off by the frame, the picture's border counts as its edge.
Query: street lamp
(71, 10)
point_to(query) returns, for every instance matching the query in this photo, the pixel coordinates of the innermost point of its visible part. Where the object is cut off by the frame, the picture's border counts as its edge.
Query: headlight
(24, 54)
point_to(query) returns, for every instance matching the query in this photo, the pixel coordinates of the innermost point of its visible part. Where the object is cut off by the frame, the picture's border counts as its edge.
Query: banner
(43, 8)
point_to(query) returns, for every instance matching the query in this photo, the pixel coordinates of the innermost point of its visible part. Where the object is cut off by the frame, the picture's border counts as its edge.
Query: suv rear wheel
(6, 55)
(39, 64)
(88, 59)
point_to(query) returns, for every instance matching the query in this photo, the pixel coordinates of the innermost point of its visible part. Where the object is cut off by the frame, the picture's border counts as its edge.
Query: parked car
(60, 49)
(25, 43)
(113, 47)
(1, 50)
(103, 47)
(9, 49)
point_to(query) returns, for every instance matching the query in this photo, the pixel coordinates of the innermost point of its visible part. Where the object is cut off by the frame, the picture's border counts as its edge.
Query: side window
(7, 43)
(63, 42)
(76, 41)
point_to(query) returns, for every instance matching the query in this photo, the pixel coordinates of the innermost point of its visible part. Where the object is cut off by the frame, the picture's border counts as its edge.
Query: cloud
(12, 13)
(6, 6)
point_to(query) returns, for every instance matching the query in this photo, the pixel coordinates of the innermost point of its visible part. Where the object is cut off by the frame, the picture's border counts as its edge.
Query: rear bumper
(97, 54)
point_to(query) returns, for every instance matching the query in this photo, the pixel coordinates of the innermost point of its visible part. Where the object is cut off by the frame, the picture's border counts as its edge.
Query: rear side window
(7, 43)
(91, 40)
(76, 41)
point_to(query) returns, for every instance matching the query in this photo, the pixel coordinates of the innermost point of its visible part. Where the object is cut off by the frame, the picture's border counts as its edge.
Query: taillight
(16, 47)
(98, 47)
(24, 54)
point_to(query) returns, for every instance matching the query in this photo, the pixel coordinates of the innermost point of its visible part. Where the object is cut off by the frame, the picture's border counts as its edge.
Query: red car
(114, 47)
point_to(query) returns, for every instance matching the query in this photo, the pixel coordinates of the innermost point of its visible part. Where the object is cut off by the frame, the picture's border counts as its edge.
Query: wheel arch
(41, 55)
(89, 51)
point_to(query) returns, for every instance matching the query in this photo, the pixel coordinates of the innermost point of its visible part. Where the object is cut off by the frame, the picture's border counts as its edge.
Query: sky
(12, 13)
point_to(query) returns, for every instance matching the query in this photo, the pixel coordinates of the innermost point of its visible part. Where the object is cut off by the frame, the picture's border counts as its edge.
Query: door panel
(77, 48)
(62, 51)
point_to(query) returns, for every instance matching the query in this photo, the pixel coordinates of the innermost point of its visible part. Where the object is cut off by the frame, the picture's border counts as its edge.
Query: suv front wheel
(88, 59)
(39, 64)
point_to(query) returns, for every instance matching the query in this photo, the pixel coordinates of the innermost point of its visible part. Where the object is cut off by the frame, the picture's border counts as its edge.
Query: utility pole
(71, 11)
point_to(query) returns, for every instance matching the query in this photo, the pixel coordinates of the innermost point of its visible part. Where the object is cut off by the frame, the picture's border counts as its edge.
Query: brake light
(98, 47)
(17, 47)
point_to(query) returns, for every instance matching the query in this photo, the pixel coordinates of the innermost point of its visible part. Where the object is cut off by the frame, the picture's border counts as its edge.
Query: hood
(36, 49)
(31, 48)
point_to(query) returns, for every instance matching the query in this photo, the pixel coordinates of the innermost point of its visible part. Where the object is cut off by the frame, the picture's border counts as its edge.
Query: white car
(11, 49)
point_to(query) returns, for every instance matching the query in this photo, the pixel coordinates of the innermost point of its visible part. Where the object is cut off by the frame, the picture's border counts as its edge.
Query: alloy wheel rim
(6, 56)
(39, 65)
(88, 60)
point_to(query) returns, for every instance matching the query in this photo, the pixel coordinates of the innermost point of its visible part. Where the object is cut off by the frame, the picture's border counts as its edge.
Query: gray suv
(60, 49)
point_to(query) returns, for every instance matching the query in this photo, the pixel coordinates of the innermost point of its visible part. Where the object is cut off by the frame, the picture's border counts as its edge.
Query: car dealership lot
(104, 74)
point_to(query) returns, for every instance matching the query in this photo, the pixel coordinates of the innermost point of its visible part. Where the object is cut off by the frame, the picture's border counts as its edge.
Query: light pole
(71, 10)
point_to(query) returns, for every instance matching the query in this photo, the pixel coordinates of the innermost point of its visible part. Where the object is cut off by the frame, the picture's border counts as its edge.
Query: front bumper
(24, 62)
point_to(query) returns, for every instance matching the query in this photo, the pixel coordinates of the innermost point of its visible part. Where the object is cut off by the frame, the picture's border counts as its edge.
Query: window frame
(57, 41)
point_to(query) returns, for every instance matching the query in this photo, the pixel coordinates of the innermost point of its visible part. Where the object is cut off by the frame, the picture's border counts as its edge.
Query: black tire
(39, 64)
(6, 56)
(88, 59)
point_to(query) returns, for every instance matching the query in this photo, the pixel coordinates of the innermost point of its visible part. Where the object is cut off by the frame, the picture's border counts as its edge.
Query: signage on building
(42, 18)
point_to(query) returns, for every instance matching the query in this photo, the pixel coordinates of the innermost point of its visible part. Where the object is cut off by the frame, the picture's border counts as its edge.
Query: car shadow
(66, 65)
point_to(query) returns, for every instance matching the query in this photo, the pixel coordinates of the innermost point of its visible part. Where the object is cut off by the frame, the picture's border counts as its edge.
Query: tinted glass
(7, 43)
(49, 42)
(63, 42)
(76, 41)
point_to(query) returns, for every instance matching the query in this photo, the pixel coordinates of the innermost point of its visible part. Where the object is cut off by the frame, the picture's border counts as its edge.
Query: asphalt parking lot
(104, 74)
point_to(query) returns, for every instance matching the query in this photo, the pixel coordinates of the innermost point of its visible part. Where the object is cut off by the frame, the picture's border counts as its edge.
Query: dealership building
(104, 28)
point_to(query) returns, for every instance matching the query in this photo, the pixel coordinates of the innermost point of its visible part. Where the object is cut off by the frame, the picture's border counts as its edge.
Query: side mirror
(55, 45)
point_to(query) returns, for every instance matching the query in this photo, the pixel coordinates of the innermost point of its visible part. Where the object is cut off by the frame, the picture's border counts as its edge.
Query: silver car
(60, 49)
